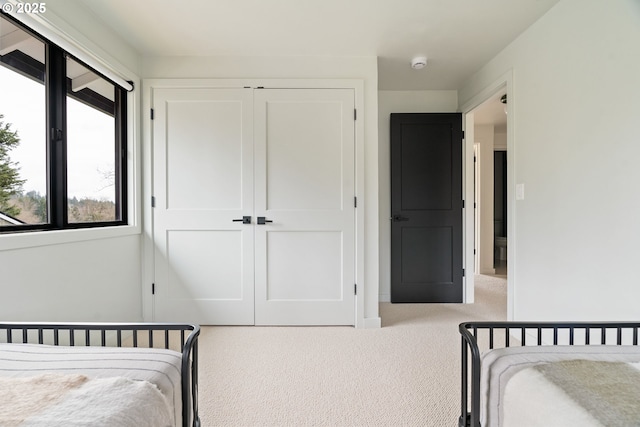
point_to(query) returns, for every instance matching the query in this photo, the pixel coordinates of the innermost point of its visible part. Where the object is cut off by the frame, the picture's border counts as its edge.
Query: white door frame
(148, 86)
(504, 81)
(476, 205)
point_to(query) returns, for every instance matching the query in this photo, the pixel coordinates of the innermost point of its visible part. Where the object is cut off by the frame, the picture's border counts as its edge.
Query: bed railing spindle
(166, 339)
(56, 336)
(40, 336)
(194, 376)
(150, 338)
(87, 337)
(182, 340)
(587, 336)
(119, 338)
(571, 330)
(72, 337)
(635, 336)
(463, 397)
(25, 336)
(539, 336)
(619, 340)
(135, 338)
(490, 338)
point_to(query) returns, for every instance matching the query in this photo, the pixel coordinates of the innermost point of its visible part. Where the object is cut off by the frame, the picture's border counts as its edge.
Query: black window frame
(53, 75)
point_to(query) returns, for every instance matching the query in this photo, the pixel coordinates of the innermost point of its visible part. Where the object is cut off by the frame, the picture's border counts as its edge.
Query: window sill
(46, 238)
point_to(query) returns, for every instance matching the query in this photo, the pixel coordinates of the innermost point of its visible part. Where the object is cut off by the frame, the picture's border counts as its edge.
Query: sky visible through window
(90, 139)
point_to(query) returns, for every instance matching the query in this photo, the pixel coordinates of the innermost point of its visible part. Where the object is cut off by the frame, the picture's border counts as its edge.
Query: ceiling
(457, 36)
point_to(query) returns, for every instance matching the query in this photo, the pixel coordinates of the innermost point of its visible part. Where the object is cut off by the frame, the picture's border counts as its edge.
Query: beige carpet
(405, 374)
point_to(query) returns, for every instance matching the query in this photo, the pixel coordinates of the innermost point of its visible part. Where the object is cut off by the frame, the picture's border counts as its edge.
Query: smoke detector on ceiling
(419, 62)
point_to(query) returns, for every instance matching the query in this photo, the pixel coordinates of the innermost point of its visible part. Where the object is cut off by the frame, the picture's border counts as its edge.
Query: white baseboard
(372, 323)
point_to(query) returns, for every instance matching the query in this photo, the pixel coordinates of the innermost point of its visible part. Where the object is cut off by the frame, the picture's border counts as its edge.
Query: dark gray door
(426, 207)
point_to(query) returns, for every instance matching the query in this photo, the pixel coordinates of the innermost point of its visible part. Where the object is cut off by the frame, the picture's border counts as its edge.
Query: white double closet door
(284, 160)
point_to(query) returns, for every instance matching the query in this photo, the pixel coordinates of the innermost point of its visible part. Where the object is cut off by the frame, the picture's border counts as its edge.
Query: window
(62, 138)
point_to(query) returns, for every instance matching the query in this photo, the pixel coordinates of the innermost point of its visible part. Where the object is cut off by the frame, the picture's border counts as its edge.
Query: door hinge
(152, 114)
(463, 272)
(56, 134)
(355, 289)
(153, 289)
(153, 201)
(463, 204)
(462, 134)
(355, 114)
(355, 202)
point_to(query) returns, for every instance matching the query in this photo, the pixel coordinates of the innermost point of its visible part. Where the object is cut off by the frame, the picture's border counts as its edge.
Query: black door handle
(262, 220)
(399, 218)
(245, 220)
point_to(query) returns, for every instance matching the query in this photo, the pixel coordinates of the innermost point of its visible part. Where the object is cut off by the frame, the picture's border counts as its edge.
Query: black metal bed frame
(54, 333)
(530, 334)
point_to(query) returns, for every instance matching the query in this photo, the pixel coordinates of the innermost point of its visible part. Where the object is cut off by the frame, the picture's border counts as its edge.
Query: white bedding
(55, 400)
(512, 394)
(155, 366)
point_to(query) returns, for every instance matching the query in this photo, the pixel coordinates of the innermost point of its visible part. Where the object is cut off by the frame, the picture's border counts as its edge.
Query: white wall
(364, 69)
(78, 275)
(428, 101)
(484, 135)
(575, 101)
(95, 280)
(499, 139)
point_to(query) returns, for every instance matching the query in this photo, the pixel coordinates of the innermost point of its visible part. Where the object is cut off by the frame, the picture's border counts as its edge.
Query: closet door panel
(304, 163)
(203, 182)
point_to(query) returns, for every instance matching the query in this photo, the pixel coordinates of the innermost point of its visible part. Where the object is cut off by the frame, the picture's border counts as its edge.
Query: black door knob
(244, 219)
(262, 220)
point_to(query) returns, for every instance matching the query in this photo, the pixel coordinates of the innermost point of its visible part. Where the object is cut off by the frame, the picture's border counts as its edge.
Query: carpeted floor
(405, 374)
